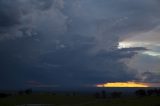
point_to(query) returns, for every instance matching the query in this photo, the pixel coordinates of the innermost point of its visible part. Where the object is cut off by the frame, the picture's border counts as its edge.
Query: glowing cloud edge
(130, 84)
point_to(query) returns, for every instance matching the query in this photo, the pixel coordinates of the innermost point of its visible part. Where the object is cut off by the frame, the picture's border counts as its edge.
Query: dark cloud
(36, 84)
(70, 43)
(9, 14)
(20, 17)
(69, 65)
(121, 53)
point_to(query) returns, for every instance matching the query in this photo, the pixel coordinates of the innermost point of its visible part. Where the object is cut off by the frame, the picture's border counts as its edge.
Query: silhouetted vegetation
(150, 92)
(74, 93)
(116, 94)
(103, 94)
(21, 92)
(53, 93)
(97, 95)
(100, 98)
(4, 95)
(28, 91)
(140, 92)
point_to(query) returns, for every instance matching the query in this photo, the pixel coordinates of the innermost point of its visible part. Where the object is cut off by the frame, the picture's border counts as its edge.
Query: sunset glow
(123, 84)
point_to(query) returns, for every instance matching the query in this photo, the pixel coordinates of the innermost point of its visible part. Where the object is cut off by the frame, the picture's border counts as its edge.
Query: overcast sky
(70, 43)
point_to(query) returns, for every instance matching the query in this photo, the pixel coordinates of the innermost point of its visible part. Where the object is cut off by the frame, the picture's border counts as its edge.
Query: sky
(78, 43)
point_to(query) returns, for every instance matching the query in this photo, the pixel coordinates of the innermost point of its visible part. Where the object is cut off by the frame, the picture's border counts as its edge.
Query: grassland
(62, 100)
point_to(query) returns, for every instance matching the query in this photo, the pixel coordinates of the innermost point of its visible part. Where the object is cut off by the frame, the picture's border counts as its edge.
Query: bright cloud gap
(152, 53)
(129, 84)
(131, 44)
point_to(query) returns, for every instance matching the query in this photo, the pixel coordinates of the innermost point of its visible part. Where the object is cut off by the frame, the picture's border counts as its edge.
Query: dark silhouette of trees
(4, 95)
(149, 92)
(158, 92)
(53, 93)
(97, 95)
(28, 91)
(74, 93)
(140, 92)
(21, 92)
(152, 92)
(103, 94)
(116, 94)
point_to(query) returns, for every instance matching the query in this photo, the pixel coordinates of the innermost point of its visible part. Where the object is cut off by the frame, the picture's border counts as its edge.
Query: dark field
(79, 100)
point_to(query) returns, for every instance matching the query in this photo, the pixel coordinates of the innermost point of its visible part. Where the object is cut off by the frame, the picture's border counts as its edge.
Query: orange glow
(123, 84)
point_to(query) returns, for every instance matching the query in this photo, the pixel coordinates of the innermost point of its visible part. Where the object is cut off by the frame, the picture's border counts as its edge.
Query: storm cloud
(73, 42)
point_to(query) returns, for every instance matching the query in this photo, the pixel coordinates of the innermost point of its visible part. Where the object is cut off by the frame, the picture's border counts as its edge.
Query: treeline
(22, 92)
(149, 92)
(102, 94)
(139, 93)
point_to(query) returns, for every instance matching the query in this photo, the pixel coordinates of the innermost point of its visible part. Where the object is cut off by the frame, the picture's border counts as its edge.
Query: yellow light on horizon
(123, 84)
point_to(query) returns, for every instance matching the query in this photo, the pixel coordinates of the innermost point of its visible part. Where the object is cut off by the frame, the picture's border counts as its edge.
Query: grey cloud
(9, 14)
(133, 49)
(121, 53)
(91, 69)
(20, 17)
(145, 64)
(111, 21)
(42, 4)
(150, 77)
(80, 36)
(65, 66)
(106, 20)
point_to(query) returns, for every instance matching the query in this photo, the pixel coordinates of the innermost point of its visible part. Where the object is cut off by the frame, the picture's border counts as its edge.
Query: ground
(63, 100)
